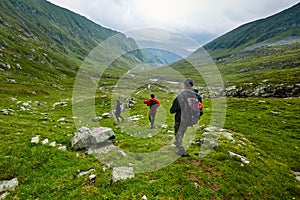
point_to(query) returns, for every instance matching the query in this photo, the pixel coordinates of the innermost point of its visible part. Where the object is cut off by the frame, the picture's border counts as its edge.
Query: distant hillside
(157, 57)
(41, 20)
(258, 59)
(43, 42)
(279, 28)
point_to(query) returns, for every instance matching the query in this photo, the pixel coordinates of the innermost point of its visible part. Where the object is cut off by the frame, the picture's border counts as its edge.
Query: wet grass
(270, 127)
(266, 131)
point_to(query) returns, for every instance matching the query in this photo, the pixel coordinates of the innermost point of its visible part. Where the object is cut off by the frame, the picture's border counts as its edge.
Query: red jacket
(148, 102)
(153, 103)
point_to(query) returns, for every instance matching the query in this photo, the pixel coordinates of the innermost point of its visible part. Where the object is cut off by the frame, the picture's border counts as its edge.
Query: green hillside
(258, 59)
(52, 26)
(255, 155)
(43, 44)
(282, 27)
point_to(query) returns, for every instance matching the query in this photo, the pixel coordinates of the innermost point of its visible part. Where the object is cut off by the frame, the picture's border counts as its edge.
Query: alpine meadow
(254, 155)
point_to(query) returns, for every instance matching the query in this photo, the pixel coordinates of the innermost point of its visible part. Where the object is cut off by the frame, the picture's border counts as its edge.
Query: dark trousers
(151, 116)
(118, 115)
(179, 130)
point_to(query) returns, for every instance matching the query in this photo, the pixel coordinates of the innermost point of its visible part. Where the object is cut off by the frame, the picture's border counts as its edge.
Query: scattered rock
(13, 81)
(7, 111)
(63, 148)
(123, 153)
(243, 159)
(85, 172)
(18, 66)
(164, 126)
(92, 177)
(297, 175)
(135, 117)
(106, 115)
(63, 103)
(264, 89)
(53, 144)
(102, 148)
(8, 186)
(275, 112)
(35, 140)
(4, 195)
(86, 137)
(227, 135)
(207, 143)
(122, 173)
(45, 141)
(8, 66)
(196, 185)
(96, 119)
(62, 119)
(13, 99)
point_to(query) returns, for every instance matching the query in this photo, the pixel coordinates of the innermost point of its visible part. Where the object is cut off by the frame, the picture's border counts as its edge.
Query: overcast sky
(203, 20)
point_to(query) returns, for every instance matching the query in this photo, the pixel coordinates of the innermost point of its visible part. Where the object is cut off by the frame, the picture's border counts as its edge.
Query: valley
(246, 145)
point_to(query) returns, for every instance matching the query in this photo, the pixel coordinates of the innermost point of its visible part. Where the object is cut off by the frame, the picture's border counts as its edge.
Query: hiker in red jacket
(153, 103)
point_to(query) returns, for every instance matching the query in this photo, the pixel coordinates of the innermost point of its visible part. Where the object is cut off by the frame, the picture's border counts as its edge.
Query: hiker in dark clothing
(118, 111)
(181, 110)
(153, 103)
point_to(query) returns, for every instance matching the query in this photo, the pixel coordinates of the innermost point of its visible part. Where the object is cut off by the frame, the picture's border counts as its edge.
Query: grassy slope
(279, 27)
(47, 173)
(277, 64)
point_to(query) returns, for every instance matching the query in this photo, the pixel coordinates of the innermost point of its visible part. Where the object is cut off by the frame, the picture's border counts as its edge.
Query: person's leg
(149, 117)
(117, 116)
(176, 128)
(152, 120)
(179, 134)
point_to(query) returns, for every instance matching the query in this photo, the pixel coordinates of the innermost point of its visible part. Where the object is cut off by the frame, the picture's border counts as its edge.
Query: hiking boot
(180, 151)
(176, 144)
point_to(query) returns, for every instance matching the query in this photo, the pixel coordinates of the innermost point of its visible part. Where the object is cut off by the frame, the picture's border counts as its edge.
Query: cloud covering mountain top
(195, 18)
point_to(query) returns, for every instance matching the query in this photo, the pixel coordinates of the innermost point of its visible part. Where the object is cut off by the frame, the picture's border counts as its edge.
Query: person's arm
(175, 106)
(147, 102)
(199, 98)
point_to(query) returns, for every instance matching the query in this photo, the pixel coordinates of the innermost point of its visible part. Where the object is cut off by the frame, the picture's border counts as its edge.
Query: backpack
(152, 103)
(153, 106)
(190, 103)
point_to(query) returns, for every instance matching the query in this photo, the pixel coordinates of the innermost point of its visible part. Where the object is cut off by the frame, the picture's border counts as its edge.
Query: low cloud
(191, 17)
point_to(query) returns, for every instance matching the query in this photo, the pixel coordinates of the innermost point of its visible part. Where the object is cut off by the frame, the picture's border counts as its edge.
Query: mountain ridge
(257, 59)
(280, 26)
(40, 40)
